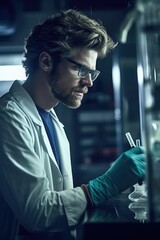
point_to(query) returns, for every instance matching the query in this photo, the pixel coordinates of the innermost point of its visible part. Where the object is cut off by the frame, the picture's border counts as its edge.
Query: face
(66, 84)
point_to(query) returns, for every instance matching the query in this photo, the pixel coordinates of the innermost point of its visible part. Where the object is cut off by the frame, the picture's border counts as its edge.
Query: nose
(87, 81)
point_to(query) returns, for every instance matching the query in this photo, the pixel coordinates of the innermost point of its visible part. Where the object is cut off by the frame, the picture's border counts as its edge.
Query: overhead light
(11, 67)
(12, 72)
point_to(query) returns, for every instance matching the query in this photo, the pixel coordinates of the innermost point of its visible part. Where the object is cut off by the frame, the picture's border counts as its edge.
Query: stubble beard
(68, 99)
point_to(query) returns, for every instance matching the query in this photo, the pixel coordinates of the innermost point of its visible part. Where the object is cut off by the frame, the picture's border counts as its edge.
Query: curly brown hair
(63, 35)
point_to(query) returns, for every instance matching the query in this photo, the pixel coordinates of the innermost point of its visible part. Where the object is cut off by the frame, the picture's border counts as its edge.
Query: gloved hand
(127, 170)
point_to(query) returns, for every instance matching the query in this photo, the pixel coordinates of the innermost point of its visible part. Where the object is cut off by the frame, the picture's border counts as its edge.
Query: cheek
(64, 79)
(66, 86)
(67, 82)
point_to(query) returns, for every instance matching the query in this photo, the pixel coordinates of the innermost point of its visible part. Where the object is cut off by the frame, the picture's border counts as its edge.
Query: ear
(45, 61)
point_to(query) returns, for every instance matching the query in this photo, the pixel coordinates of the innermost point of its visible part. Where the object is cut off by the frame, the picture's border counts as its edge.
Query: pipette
(130, 139)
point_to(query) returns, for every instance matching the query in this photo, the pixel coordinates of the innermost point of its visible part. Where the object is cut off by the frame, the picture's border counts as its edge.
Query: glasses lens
(94, 74)
(84, 72)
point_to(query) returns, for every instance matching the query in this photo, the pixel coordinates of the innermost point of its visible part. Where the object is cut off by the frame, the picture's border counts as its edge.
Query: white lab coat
(33, 191)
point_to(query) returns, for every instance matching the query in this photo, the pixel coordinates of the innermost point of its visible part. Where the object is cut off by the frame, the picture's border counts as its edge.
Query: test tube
(138, 142)
(132, 144)
(130, 139)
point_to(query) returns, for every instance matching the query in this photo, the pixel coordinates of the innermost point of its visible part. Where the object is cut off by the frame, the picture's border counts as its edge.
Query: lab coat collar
(27, 104)
(25, 101)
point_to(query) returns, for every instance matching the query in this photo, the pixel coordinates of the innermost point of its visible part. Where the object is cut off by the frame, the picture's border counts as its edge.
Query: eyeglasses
(84, 71)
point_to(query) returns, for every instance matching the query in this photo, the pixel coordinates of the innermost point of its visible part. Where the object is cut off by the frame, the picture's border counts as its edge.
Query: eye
(85, 70)
(76, 67)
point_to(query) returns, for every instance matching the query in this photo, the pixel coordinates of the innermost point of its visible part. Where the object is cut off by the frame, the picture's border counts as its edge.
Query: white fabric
(38, 194)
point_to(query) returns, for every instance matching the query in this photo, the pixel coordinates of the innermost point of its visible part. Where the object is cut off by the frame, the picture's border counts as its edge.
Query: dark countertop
(120, 209)
(120, 218)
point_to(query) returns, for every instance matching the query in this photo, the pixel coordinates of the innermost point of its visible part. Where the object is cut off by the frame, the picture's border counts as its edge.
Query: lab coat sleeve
(23, 181)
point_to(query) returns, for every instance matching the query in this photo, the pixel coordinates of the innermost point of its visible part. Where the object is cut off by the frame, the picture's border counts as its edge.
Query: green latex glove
(127, 170)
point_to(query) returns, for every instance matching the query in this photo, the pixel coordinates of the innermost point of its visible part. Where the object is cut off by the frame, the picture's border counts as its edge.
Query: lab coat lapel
(25, 100)
(63, 143)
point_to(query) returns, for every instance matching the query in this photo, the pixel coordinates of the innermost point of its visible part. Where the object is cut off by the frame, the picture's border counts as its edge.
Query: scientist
(36, 186)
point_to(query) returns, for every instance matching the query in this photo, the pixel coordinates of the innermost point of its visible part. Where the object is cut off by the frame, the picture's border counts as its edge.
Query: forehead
(87, 57)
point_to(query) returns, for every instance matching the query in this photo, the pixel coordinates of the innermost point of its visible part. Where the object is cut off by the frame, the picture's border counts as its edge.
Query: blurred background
(96, 130)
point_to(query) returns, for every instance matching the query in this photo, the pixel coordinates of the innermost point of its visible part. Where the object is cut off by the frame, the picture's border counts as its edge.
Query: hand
(127, 170)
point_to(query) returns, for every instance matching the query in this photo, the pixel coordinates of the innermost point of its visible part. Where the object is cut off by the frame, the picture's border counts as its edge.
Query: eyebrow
(78, 64)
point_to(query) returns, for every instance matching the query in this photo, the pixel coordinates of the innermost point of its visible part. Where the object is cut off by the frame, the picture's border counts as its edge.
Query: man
(36, 189)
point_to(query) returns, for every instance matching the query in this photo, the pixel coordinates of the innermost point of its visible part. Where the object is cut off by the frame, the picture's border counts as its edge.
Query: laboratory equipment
(146, 15)
(139, 193)
(140, 209)
(148, 69)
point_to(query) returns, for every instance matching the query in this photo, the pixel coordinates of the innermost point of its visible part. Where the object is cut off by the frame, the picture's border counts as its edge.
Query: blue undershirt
(51, 132)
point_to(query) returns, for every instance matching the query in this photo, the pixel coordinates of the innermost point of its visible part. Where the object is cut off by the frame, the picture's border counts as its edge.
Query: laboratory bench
(118, 219)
